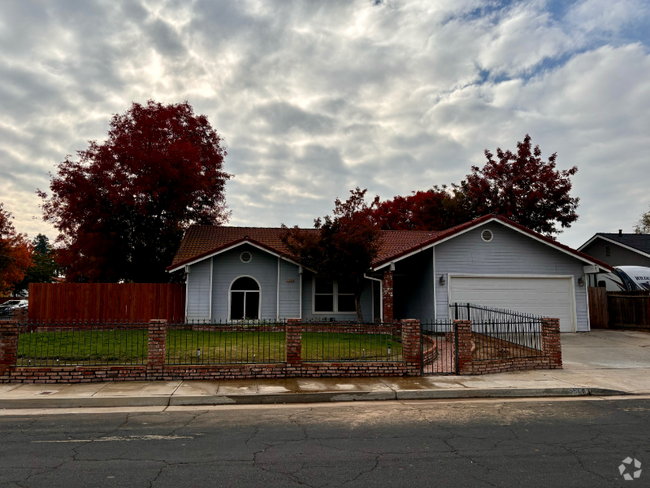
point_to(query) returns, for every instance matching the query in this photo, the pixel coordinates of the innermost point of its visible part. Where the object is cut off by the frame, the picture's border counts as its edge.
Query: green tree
(43, 268)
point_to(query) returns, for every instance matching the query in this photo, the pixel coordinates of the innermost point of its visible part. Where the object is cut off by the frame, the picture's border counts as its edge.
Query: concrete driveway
(606, 349)
(615, 359)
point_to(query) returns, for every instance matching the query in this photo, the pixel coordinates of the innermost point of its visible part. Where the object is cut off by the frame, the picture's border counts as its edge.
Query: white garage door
(548, 297)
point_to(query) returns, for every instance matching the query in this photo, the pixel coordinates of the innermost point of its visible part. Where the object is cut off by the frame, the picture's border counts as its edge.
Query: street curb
(306, 397)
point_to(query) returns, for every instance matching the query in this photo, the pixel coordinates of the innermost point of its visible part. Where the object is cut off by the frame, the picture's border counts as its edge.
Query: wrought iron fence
(351, 341)
(438, 347)
(233, 342)
(70, 343)
(501, 334)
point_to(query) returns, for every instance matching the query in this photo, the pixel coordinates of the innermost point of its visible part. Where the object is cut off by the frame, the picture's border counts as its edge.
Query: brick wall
(549, 358)
(412, 352)
(156, 369)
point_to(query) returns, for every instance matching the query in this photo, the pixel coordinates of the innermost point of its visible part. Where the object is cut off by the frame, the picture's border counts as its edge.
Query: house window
(608, 251)
(332, 297)
(244, 299)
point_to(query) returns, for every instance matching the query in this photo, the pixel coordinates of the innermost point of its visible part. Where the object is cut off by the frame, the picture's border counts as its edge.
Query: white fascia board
(203, 258)
(515, 276)
(485, 223)
(588, 242)
(558, 248)
(393, 261)
(607, 239)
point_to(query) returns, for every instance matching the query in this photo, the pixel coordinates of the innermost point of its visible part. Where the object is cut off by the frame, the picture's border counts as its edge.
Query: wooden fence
(128, 302)
(598, 310)
(629, 309)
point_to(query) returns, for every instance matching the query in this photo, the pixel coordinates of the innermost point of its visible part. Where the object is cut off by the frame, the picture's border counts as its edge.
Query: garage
(548, 296)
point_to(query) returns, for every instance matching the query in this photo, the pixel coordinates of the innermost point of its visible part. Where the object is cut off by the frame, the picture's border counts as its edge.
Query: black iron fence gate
(439, 347)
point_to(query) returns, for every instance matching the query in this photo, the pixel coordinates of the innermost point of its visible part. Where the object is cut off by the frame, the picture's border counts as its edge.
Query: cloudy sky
(314, 98)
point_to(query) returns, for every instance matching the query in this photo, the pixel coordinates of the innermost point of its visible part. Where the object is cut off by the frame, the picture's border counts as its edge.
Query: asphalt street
(542, 443)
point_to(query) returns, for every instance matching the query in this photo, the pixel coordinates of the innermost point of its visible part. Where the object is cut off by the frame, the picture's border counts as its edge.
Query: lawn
(97, 347)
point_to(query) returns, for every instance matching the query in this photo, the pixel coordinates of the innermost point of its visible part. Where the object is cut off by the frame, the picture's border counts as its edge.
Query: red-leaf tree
(519, 186)
(15, 253)
(524, 188)
(344, 248)
(122, 208)
(436, 209)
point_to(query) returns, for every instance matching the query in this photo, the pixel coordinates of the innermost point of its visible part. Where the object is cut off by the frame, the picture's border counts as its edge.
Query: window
(244, 299)
(246, 257)
(486, 235)
(332, 297)
(608, 251)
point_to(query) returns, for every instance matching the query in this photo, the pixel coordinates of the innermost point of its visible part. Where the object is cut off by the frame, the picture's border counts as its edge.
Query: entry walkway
(601, 362)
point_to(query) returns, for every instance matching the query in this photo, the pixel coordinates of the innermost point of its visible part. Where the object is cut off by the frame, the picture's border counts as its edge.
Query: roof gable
(202, 241)
(639, 243)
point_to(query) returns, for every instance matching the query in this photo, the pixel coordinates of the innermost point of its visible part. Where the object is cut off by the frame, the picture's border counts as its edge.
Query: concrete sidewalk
(597, 363)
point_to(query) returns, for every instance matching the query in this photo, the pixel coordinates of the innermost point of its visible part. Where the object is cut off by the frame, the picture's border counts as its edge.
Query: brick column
(551, 342)
(294, 347)
(387, 296)
(411, 346)
(8, 348)
(157, 348)
(463, 332)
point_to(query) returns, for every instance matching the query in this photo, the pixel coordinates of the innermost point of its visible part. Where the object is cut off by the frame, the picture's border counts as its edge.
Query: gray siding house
(619, 249)
(235, 273)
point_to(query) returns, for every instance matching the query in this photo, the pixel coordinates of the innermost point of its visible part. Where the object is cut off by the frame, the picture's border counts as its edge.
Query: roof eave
(227, 247)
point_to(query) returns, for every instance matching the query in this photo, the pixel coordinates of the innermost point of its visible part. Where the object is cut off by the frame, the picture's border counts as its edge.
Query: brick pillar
(8, 348)
(551, 342)
(411, 346)
(157, 348)
(294, 347)
(387, 296)
(463, 330)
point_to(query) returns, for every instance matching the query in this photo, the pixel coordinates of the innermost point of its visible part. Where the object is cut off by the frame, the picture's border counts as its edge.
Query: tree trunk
(357, 304)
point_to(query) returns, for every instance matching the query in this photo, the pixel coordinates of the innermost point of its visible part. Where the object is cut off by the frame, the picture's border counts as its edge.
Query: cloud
(315, 98)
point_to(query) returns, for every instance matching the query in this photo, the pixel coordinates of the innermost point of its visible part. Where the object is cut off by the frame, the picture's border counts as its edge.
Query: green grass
(83, 347)
(197, 347)
(317, 346)
(225, 347)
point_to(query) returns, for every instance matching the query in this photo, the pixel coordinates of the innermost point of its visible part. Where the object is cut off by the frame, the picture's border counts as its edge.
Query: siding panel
(509, 253)
(289, 291)
(198, 291)
(228, 267)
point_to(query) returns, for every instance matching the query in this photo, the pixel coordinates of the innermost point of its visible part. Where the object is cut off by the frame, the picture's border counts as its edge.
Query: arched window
(244, 299)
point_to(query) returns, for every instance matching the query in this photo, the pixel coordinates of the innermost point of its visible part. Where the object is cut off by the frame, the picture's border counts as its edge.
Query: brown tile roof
(203, 240)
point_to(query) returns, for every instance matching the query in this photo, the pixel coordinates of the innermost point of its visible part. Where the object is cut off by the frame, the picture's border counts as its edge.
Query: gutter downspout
(300, 292)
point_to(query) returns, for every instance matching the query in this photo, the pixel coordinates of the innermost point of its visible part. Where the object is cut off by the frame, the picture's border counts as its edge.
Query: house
(244, 272)
(619, 249)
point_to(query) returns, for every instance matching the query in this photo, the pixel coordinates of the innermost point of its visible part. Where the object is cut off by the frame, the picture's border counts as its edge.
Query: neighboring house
(242, 272)
(619, 249)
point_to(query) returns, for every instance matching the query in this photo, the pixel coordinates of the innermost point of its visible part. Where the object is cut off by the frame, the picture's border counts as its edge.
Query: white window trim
(259, 305)
(241, 257)
(335, 299)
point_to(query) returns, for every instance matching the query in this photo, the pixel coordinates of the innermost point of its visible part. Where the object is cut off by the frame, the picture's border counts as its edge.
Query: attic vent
(487, 235)
(246, 257)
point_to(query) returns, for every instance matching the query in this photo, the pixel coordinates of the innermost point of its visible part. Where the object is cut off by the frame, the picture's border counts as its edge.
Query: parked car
(7, 308)
(625, 278)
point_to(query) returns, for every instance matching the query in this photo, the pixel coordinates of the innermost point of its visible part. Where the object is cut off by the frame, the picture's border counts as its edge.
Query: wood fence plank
(124, 302)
